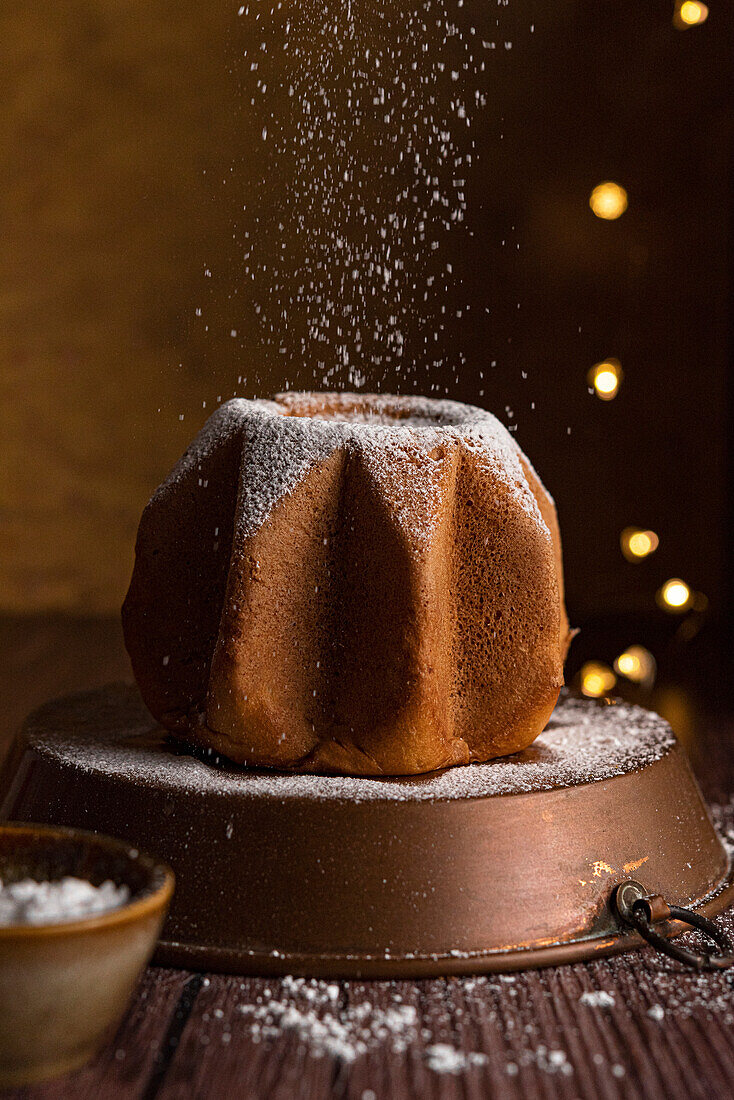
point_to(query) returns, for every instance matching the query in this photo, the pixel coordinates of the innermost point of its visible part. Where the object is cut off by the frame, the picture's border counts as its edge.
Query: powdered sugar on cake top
(280, 445)
(110, 732)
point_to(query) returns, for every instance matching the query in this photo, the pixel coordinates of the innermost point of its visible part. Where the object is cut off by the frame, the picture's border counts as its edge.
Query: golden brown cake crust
(350, 583)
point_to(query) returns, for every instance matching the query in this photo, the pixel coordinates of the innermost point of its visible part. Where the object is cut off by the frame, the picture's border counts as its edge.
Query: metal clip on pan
(637, 909)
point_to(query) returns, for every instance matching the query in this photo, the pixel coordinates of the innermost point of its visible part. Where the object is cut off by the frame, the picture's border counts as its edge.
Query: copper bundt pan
(459, 872)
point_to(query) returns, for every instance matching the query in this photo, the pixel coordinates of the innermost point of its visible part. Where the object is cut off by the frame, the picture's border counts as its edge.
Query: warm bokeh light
(675, 595)
(605, 378)
(690, 13)
(596, 679)
(636, 664)
(637, 543)
(608, 200)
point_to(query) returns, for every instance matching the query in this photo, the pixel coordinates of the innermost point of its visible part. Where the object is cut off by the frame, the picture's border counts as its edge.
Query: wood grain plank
(513, 1023)
(217, 1049)
(531, 1036)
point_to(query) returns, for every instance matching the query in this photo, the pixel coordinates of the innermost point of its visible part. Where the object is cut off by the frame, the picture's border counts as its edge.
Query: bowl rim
(137, 908)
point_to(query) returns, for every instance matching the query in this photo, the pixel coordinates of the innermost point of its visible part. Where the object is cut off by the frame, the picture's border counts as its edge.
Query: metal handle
(641, 910)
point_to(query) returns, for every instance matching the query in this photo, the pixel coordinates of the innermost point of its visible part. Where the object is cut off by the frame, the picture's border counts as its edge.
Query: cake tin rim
(389, 967)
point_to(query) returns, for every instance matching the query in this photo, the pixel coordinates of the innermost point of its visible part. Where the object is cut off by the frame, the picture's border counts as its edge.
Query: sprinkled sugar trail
(311, 1010)
(360, 116)
(347, 1022)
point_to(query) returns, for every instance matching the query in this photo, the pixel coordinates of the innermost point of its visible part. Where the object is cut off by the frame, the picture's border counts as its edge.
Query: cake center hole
(362, 412)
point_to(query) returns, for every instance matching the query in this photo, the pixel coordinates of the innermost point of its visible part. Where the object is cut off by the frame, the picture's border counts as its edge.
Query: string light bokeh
(637, 544)
(596, 679)
(689, 13)
(675, 596)
(605, 378)
(608, 200)
(636, 664)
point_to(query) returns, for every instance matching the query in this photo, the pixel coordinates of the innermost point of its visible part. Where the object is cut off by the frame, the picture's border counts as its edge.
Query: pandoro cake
(350, 583)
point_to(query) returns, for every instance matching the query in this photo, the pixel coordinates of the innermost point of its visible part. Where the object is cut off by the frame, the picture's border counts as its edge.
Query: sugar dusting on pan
(111, 733)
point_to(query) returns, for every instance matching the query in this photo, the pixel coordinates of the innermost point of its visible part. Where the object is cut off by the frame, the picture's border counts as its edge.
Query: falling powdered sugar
(349, 242)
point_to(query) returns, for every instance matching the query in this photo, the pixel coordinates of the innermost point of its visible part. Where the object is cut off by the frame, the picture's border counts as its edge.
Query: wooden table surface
(625, 1027)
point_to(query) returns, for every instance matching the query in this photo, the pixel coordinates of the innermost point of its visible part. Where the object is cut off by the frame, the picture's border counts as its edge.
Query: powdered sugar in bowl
(79, 918)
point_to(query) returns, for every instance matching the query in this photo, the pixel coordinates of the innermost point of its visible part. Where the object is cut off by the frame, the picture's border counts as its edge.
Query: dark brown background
(118, 125)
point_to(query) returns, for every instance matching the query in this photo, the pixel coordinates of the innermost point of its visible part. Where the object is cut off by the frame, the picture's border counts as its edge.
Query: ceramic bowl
(64, 987)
